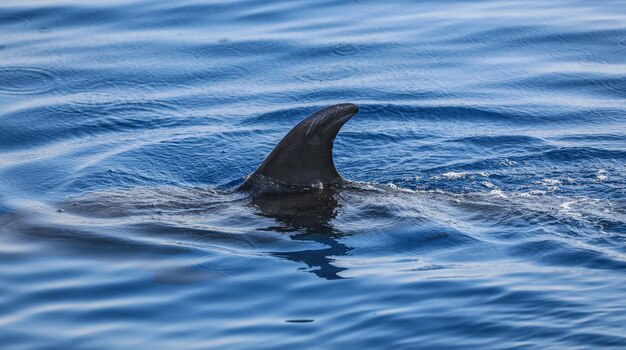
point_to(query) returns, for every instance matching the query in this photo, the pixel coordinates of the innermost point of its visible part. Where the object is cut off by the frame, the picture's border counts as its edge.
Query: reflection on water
(309, 215)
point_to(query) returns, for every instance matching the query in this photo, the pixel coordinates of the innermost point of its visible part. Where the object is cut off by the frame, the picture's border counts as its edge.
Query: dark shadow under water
(115, 224)
(309, 213)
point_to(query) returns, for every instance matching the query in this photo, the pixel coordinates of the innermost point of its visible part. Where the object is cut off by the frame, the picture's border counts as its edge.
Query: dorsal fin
(304, 157)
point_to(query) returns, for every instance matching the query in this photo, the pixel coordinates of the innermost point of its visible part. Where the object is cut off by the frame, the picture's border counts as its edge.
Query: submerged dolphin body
(284, 189)
(304, 157)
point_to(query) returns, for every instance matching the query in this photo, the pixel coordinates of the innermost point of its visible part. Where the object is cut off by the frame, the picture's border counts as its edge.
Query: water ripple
(328, 73)
(26, 80)
(14, 20)
(346, 50)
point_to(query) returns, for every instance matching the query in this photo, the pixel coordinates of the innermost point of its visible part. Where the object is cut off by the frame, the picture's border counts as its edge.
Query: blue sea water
(488, 208)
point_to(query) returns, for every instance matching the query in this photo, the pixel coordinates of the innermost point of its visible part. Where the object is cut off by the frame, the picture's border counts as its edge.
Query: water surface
(488, 208)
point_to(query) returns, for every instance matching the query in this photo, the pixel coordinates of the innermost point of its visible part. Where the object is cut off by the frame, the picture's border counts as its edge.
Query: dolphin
(304, 157)
(285, 188)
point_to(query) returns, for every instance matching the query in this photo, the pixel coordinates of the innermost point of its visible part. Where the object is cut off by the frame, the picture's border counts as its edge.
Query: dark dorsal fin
(304, 157)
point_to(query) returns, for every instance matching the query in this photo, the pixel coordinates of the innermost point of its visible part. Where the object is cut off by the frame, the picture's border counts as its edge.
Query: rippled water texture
(488, 208)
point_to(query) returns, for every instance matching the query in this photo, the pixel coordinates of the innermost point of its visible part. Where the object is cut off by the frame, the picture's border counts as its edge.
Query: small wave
(26, 80)
(326, 73)
(228, 256)
(451, 175)
(218, 73)
(571, 53)
(14, 20)
(235, 48)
